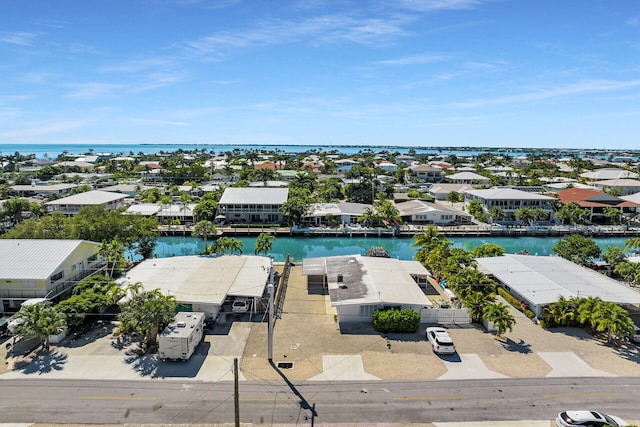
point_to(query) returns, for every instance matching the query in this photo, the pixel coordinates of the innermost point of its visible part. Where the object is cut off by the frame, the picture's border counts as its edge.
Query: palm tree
(204, 229)
(613, 319)
(40, 321)
(224, 244)
(498, 314)
(113, 253)
(586, 310)
(476, 302)
(264, 242)
(369, 215)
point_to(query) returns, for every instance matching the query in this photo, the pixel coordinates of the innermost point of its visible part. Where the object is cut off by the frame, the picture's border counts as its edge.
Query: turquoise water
(306, 247)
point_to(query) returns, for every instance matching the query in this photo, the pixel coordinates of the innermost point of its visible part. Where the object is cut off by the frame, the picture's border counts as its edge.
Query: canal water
(306, 247)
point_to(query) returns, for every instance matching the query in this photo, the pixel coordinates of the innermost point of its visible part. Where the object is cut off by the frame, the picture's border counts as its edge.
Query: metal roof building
(203, 282)
(43, 268)
(541, 280)
(255, 196)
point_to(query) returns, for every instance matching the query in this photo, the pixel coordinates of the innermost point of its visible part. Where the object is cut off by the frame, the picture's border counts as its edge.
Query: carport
(203, 283)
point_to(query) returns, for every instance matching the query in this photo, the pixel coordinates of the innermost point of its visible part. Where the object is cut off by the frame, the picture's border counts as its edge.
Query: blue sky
(498, 73)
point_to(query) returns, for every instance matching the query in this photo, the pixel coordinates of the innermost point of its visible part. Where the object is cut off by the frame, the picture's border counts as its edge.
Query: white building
(71, 205)
(253, 205)
(203, 283)
(343, 213)
(542, 280)
(421, 212)
(510, 200)
(359, 285)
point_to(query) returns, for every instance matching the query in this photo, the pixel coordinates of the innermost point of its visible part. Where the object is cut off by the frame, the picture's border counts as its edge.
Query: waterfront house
(596, 201)
(205, 283)
(420, 212)
(43, 268)
(71, 205)
(318, 214)
(510, 200)
(177, 214)
(538, 281)
(253, 205)
(358, 285)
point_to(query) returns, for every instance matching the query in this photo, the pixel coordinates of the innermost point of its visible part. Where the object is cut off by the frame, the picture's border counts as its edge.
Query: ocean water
(42, 151)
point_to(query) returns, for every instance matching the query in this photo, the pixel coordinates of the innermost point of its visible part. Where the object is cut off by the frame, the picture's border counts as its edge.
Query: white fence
(448, 316)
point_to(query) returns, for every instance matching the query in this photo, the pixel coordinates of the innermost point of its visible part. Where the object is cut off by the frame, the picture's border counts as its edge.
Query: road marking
(115, 398)
(271, 399)
(551, 396)
(432, 398)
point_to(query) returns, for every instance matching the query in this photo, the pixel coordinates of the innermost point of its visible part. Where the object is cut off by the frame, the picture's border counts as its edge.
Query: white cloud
(326, 29)
(19, 38)
(154, 122)
(414, 60)
(93, 90)
(46, 129)
(583, 87)
(432, 5)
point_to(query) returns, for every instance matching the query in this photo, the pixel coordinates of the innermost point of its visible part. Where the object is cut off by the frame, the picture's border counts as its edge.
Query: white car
(588, 418)
(240, 305)
(440, 340)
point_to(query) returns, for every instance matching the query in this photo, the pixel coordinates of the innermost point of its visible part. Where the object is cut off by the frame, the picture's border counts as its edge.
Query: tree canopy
(577, 248)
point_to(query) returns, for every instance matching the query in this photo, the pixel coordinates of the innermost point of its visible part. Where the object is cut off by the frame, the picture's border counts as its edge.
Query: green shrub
(396, 320)
(516, 303)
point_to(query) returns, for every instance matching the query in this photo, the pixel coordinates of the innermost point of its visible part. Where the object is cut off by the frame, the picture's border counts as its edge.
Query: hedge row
(396, 320)
(516, 303)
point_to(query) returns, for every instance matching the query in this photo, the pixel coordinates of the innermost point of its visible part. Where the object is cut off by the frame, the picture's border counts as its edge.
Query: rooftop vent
(181, 324)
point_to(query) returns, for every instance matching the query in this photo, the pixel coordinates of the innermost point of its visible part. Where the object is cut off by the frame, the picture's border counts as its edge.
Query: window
(57, 276)
(366, 310)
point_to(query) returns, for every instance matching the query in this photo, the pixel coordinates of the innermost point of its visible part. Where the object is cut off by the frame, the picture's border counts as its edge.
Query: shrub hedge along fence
(396, 320)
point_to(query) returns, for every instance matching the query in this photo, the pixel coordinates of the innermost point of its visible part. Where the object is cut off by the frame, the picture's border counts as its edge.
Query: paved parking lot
(308, 338)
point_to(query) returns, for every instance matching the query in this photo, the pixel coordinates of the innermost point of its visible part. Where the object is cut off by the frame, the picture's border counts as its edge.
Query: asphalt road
(155, 402)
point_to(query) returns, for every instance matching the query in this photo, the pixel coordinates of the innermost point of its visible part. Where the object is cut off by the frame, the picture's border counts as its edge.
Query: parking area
(308, 345)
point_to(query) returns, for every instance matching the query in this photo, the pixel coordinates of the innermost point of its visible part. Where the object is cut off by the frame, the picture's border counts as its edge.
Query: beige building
(43, 268)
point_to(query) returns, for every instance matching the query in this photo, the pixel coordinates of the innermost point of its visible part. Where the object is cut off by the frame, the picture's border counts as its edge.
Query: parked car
(588, 418)
(240, 305)
(440, 340)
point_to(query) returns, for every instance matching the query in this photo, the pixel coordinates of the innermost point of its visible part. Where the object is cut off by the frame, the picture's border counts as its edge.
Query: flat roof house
(343, 213)
(541, 280)
(43, 268)
(203, 283)
(359, 285)
(71, 205)
(253, 205)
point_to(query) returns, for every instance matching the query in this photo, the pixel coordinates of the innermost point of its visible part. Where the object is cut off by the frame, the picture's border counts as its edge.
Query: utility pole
(271, 289)
(236, 393)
